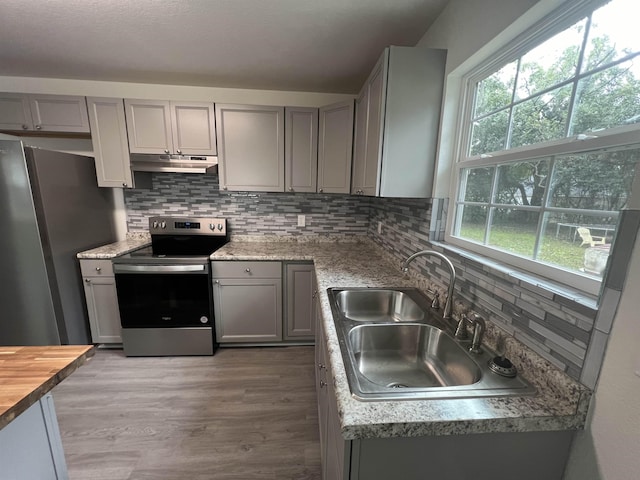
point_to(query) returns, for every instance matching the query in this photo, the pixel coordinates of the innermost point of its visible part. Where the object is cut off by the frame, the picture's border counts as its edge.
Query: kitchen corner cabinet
(301, 149)
(43, 113)
(102, 301)
(335, 142)
(300, 294)
(397, 118)
(109, 138)
(247, 300)
(250, 147)
(168, 127)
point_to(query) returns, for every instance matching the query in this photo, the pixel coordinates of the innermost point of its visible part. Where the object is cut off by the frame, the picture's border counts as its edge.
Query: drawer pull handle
(248, 270)
(98, 269)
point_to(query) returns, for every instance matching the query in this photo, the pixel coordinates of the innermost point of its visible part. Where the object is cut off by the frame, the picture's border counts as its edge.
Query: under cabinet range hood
(174, 163)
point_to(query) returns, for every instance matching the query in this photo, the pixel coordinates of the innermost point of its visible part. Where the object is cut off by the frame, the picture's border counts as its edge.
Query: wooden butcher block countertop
(28, 373)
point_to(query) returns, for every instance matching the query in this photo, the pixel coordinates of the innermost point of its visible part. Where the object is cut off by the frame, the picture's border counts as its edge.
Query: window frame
(552, 24)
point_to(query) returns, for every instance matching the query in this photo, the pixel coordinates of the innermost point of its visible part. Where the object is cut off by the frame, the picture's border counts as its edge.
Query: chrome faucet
(448, 306)
(479, 327)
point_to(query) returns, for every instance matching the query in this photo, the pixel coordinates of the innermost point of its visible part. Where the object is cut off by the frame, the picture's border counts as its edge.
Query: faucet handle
(461, 330)
(435, 303)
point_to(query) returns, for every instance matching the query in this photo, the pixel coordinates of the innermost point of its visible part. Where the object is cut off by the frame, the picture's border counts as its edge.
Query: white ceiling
(298, 45)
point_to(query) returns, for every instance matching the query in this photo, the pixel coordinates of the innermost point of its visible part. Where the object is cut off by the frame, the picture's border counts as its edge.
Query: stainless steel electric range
(164, 290)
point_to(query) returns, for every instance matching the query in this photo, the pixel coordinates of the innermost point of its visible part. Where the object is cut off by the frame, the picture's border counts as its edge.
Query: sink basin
(369, 305)
(412, 355)
(396, 347)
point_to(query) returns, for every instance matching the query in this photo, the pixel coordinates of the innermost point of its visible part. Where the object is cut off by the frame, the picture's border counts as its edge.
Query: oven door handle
(124, 268)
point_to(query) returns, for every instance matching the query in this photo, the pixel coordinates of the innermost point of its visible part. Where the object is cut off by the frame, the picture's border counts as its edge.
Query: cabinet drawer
(96, 268)
(246, 269)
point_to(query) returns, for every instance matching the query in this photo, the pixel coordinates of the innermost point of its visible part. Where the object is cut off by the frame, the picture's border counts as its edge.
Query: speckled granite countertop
(132, 242)
(28, 373)
(560, 402)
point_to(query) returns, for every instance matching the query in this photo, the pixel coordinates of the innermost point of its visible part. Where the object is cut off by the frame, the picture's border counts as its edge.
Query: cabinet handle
(166, 151)
(321, 366)
(38, 127)
(179, 152)
(25, 127)
(291, 189)
(87, 280)
(315, 294)
(98, 269)
(321, 190)
(248, 270)
(217, 282)
(124, 184)
(323, 384)
(224, 188)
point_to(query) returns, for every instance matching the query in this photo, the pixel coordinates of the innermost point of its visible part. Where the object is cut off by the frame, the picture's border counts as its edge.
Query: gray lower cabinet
(31, 446)
(335, 451)
(481, 456)
(102, 301)
(300, 292)
(247, 299)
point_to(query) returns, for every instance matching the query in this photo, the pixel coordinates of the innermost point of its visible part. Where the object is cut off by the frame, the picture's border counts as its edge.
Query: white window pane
(613, 33)
(594, 181)
(477, 184)
(514, 231)
(608, 99)
(551, 63)
(472, 223)
(489, 134)
(578, 242)
(541, 118)
(522, 183)
(495, 91)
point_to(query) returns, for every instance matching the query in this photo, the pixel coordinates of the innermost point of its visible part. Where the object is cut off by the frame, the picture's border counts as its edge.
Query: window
(549, 147)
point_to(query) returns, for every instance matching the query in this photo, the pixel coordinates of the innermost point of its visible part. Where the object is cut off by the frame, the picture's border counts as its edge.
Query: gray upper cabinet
(164, 127)
(398, 113)
(109, 138)
(301, 149)
(335, 141)
(250, 147)
(46, 113)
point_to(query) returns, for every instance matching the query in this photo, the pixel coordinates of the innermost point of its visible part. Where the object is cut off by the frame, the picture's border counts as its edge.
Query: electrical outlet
(302, 221)
(379, 228)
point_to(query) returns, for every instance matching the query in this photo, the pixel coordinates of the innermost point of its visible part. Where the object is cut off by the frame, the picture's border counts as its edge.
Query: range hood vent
(174, 163)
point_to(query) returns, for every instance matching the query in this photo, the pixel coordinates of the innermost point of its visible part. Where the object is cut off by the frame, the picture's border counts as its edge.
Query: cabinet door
(59, 113)
(360, 142)
(335, 140)
(300, 305)
(301, 149)
(193, 127)
(377, 86)
(102, 306)
(148, 126)
(250, 147)
(109, 138)
(248, 310)
(321, 392)
(15, 113)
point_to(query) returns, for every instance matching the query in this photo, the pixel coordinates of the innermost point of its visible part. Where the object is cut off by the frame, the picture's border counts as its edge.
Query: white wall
(609, 449)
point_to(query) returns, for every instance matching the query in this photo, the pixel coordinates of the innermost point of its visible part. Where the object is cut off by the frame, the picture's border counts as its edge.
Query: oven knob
(163, 225)
(155, 224)
(212, 226)
(204, 319)
(220, 227)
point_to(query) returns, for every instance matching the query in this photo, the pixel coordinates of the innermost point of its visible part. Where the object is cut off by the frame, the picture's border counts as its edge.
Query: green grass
(558, 251)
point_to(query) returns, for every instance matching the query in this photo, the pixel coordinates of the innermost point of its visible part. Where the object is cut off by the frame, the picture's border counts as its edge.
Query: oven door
(164, 296)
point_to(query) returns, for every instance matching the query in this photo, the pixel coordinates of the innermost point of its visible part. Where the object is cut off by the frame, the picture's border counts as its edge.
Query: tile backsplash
(562, 329)
(247, 213)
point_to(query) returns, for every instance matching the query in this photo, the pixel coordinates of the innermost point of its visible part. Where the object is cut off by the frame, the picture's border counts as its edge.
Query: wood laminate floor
(245, 413)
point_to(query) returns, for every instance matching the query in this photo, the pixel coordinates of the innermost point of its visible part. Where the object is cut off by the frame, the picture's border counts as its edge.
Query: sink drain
(397, 385)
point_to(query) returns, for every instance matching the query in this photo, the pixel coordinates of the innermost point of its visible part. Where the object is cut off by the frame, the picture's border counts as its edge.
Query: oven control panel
(187, 226)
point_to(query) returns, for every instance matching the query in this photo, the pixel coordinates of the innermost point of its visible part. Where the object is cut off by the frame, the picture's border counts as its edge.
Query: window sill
(528, 280)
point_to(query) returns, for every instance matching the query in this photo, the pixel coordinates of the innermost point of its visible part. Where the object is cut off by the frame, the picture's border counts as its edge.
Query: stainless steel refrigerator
(50, 209)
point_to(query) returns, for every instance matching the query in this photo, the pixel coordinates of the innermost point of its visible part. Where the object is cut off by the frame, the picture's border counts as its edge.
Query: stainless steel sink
(396, 347)
(373, 305)
(411, 355)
